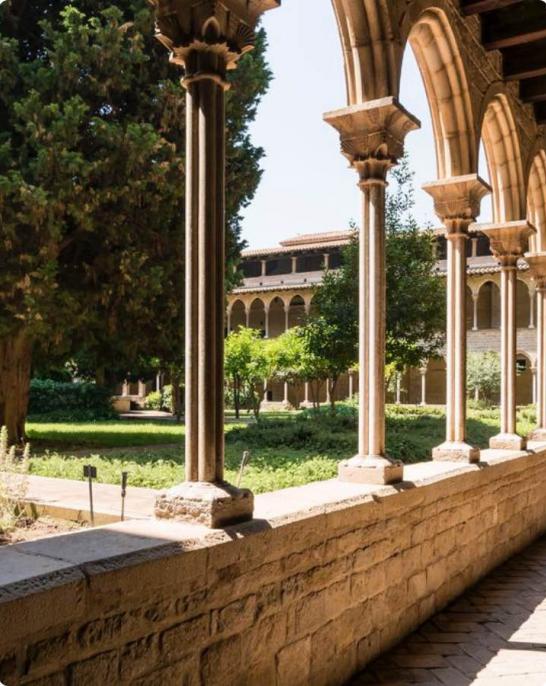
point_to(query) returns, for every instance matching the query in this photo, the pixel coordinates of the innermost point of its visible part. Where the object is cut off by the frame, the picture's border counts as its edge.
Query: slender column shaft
(541, 356)
(228, 321)
(475, 299)
(456, 337)
(286, 392)
(534, 387)
(423, 373)
(532, 310)
(204, 280)
(508, 348)
(247, 316)
(286, 318)
(351, 387)
(266, 322)
(398, 388)
(306, 399)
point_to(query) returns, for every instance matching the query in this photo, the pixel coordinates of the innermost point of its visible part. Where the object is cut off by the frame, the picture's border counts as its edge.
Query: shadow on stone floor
(494, 635)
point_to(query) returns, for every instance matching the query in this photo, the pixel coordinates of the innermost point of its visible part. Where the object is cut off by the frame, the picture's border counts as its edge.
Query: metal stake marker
(124, 476)
(244, 462)
(91, 473)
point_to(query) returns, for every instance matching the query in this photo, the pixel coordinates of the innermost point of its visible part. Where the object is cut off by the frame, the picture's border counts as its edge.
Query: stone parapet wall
(327, 576)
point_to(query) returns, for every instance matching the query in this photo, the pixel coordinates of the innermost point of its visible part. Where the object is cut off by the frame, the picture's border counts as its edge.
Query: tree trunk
(176, 396)
(15, 367)
(332, 384)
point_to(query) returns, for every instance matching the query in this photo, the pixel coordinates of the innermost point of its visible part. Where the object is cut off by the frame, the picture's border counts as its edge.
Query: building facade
(277, 294)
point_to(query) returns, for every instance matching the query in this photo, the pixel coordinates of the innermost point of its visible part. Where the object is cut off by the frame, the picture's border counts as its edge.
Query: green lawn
(286, 450)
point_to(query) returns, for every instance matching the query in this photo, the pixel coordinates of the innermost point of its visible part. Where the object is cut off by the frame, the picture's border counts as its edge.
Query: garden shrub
(79, 401)
(154, 401)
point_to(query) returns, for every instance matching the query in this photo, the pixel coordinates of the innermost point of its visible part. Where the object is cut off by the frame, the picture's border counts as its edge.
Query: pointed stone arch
(371, 47)
(444, 74)
(536, 198)
(503, 151)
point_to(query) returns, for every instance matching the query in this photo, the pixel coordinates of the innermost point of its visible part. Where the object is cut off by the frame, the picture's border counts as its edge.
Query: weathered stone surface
(212, 505)
(338, 573)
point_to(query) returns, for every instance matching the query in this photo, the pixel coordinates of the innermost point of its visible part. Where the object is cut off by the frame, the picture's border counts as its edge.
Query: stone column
(532, 294)
(285, 399)
(266, 320)
(141, 389)
(228, 320)
(247, 315)
(457, 204)
(205, 40)
(125, 389)
(537, 265)
(475, 300)
(423, 373)
(474, 247)
(326, 256)
(534, 386)
(372, 138)
(351, 386)
(306, 393)
(508, 242)
(398, 388)
(287, 317)
(264, 267)
(294, 264)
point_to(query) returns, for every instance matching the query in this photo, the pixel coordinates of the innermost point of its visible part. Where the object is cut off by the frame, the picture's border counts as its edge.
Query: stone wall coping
(42, 565)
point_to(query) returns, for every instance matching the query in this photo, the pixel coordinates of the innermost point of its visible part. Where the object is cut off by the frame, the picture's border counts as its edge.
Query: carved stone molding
(372, 134)
(508, 240)
(457, 199)
(537, 266)
(221, 29)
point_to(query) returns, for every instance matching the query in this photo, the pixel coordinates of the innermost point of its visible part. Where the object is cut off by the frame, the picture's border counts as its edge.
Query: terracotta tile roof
(309, 241)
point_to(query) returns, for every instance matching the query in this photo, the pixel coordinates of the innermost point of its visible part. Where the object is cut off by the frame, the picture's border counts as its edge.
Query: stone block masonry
(324, 579)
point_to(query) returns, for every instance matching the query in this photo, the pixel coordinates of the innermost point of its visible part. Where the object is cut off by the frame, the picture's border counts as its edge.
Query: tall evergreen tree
(92, 189)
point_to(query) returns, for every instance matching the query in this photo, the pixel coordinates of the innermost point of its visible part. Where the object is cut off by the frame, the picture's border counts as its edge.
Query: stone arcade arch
(372, 130)
(257, 316)
(488, 305)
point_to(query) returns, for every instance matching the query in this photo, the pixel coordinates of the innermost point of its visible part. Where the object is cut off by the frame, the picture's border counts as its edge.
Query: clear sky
(307, 186)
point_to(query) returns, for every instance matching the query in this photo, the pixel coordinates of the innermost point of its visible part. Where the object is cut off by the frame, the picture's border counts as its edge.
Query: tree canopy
(92, 190)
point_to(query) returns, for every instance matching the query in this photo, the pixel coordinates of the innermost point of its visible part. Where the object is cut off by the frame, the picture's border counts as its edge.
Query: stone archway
(237, 315)
(296, 312)
(489, 306)
(257, 316)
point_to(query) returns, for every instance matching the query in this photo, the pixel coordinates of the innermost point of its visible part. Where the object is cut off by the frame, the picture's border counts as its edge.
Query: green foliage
(483, 375)
(91, 184)
(415, 295)
(154, 401)
(285, 451)
(247, 363)
(59, 401)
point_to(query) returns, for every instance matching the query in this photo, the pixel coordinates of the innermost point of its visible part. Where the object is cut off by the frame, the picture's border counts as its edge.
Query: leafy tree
(295, 359)
(415, 294)
(483, 375)
(247, 362)
(92, 191)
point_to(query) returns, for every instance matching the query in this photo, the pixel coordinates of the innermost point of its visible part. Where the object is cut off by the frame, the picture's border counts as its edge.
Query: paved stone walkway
(495, 635)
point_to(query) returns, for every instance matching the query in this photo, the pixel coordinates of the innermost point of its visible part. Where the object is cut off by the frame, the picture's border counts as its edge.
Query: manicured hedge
(61, 401)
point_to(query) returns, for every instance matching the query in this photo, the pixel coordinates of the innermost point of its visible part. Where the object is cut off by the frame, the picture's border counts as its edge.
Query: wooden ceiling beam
(480, 6)
(508, 27)
(540, 113)
(533, 90)
(526, 61)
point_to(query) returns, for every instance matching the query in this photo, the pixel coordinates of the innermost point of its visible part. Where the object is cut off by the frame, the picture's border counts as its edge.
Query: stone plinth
(456, 451)
(507, 441)
(211, 504)
(371, 470)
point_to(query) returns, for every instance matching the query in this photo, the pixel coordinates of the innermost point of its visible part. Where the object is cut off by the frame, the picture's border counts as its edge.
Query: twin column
(372, 137)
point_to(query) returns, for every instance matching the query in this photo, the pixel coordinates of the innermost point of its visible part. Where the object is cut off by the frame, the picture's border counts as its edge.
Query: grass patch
(287, 450)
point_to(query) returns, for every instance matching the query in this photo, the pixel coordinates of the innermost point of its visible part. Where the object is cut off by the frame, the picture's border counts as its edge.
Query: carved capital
(537, 266)
(207, 37)
(508, 240)
(457, 200)
(372, 135)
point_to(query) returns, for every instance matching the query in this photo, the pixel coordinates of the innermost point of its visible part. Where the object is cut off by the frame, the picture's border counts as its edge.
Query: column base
(507, 442)
(537, 435)
(214, 505)
(456, 451)
(371, 469)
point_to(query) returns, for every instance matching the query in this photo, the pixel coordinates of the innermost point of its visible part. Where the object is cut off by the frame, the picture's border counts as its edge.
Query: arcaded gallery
(322, 584)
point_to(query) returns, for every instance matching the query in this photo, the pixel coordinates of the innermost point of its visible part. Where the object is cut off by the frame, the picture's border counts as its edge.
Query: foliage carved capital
(372, 134)
(221, 31)
(508, 240)
(457, 200)
(537, 266)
